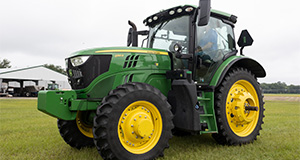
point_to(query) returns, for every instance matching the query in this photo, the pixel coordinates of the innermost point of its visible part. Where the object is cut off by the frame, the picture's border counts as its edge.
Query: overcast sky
(35, 32)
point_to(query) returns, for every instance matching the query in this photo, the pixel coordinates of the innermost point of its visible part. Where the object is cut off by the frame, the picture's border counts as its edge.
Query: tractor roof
(179, 11)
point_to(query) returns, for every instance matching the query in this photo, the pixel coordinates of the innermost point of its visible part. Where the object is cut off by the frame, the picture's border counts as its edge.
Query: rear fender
(233, 62)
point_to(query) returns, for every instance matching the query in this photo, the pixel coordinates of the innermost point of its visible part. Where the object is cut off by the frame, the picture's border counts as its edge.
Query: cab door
(212, 43)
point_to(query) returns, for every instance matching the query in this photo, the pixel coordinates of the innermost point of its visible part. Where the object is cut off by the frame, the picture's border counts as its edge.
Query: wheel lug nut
(134, 119)
(132, 125)
(122, 122)
(149, 137)
(125, 114)
(123, 117)
(140, 116)
(145, 117)
(132, 132)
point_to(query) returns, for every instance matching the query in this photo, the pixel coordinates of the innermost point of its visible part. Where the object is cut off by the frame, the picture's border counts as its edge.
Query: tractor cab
(178, 33)
(196, 45)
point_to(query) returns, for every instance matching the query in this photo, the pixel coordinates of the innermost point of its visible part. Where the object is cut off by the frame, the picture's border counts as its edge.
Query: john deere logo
(70, 73)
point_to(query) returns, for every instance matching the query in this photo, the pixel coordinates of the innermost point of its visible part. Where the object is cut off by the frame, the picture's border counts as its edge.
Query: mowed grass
(26, 133)
(282, 95)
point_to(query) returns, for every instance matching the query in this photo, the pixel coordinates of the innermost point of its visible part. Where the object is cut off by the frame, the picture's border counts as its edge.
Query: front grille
(82, 75)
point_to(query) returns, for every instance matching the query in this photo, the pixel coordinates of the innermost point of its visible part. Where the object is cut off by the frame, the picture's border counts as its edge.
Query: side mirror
(176, 48)
(244, 40)
(204, 12)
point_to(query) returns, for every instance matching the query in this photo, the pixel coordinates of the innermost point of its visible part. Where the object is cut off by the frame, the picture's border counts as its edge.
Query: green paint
(220, 70)
(207, 101)
(245, 39)
(57, 103)
(220, 12)
(150, 68)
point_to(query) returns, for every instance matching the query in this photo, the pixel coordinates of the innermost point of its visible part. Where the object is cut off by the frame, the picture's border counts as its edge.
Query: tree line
(280, 88)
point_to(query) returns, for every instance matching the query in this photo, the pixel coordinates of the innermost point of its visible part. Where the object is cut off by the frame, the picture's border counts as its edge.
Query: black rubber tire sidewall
(115, 146)
(71, 134)
(226, 135)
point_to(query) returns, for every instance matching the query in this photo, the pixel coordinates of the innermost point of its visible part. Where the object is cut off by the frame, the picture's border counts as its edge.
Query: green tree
(4, 63)
(280, 87)
(56, 68)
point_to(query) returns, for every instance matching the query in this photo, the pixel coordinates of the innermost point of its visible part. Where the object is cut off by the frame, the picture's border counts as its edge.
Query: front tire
(77, 133)
(239, 108)
(133, 122)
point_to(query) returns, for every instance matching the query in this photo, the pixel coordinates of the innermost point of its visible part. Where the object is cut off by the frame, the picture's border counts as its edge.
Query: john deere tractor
(190, 79)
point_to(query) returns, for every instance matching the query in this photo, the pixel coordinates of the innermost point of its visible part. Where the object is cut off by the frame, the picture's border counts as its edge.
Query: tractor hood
(117, 50)
(95, 65)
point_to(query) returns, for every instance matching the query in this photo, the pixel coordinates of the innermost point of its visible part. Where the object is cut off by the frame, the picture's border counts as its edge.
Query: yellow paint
(140, 127)
(84, 128)
(156, 64)
(133, 51)
(119, 55)
(242, 122)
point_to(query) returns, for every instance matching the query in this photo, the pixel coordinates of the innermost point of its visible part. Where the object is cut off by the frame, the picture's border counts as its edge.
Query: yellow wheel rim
(140, 127)
(84, 127)
(241, 121)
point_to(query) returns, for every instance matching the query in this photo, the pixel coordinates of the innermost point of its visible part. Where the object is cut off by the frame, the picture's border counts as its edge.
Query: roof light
(149, 20)
(172, 12)
(155, 18)
(189, 9)
(179, 10)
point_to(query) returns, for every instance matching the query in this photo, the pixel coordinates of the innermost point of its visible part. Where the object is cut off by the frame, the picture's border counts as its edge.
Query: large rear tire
(77, 133)
(239, 108)
(133, 122)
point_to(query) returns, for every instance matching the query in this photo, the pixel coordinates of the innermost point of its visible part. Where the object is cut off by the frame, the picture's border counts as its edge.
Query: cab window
(213, 42)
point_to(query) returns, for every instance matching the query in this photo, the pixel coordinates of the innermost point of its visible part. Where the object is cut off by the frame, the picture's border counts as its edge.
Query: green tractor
(129, 101)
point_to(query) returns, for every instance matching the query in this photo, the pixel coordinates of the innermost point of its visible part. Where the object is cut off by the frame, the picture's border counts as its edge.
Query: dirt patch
(282, 98)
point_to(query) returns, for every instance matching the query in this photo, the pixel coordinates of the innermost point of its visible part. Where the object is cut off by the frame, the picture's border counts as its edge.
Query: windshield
(166, 34)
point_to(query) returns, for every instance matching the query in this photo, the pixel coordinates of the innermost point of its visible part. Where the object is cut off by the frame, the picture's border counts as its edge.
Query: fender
(237, 61)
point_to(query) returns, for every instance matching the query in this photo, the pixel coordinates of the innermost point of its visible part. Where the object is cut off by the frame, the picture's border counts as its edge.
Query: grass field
(26, 133)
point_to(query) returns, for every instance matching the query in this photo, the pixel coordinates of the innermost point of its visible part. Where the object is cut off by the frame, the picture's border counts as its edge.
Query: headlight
(77, 61)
